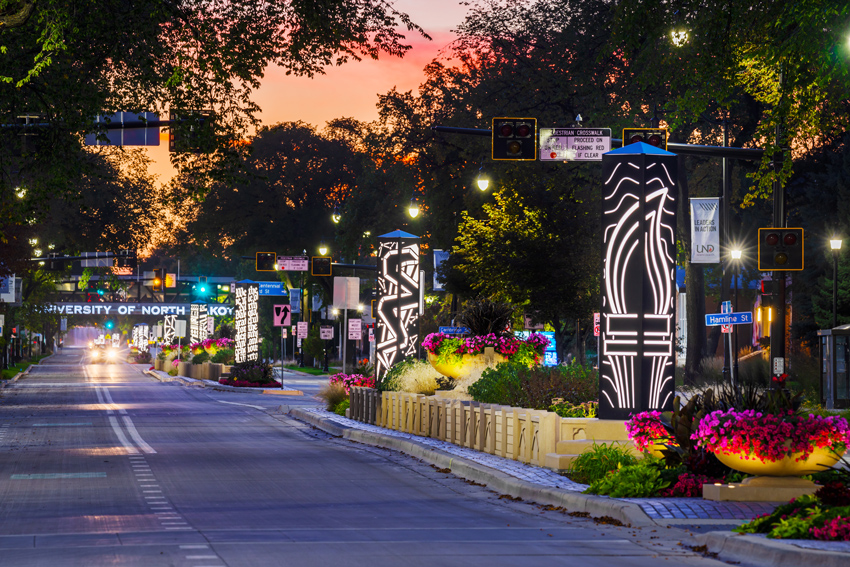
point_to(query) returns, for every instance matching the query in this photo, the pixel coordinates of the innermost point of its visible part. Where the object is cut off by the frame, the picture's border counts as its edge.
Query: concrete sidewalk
(545, 486)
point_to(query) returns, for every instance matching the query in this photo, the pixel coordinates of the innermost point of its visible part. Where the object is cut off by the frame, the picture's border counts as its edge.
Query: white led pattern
(398, 301)
(639, 216)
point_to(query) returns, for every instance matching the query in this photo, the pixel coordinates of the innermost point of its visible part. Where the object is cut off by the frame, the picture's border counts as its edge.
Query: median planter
(184, 369)
(466, 364)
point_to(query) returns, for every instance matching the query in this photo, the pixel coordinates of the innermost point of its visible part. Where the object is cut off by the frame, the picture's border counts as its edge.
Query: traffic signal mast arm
(684, 149)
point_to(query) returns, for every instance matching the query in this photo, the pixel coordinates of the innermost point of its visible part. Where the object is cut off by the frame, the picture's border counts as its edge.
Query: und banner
(705, 230)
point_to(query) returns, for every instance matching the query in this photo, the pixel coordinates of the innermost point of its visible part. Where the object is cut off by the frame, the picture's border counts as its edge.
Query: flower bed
(450, 348)
(347, 381)
(646, 429)
(769, 437)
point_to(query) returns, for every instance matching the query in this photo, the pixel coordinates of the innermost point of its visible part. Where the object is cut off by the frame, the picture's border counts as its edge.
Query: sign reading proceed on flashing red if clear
(713, 319)
(574, 144)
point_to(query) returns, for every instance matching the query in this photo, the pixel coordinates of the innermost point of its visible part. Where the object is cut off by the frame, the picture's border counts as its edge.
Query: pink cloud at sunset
(350, 90)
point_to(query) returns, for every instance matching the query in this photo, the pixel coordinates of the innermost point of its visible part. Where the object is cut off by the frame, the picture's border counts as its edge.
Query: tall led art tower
(637, 364)
(398, 299)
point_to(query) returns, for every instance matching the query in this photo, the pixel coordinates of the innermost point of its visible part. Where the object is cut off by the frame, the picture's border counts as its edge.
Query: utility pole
(777, 331)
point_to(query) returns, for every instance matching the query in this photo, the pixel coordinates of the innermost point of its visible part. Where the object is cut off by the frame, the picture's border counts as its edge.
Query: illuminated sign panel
(198, 322)
(398, 299)
(639, 281)
(169, 329)
(246, 320)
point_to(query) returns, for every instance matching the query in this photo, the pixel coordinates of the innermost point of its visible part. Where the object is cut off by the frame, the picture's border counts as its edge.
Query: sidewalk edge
(752, 550)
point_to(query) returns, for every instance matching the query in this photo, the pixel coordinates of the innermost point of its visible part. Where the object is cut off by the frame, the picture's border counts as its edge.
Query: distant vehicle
(103, 353)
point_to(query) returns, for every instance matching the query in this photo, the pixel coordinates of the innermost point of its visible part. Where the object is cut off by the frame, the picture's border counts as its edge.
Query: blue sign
(742, 318)
(454, 330)
(273, 288)
(550, 356)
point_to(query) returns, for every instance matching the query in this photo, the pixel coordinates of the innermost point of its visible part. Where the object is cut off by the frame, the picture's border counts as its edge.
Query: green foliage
(484, 316)
(795, 519)
(641, 480)
(333, 394)
(390, 382)
(514, 384)
(201, 358)
(253, 371)
(313, 346)
(566, 409)
(340, 408)
(223, 356)
(412, 375)
(591, 466)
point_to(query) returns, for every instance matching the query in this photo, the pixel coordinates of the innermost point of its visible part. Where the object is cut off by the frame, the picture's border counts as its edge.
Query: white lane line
(121, 438)
(102, 401)
(108, 397)
(194, 547)
(238, 404)
(151, 491)
(135, 435)
(181, 528)
(202, 557)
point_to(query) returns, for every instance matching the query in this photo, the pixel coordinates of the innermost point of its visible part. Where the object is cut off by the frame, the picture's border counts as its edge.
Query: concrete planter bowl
(819, 461)
(468, 364)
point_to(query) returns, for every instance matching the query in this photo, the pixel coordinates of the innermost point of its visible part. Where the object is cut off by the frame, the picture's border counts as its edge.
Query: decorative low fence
(515, 433)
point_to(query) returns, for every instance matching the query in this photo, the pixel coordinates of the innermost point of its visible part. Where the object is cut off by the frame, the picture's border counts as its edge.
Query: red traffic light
(635, 139)
(790, 239)
(523, 130)
(506, 130)
(654, 140)
(771, 239)
(514, 139)
(781, 249)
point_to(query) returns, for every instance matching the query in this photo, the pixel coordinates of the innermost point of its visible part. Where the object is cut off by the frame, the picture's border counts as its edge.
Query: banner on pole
(705, 230)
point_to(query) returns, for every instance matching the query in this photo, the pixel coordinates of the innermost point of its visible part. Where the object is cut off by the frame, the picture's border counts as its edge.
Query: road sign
(778, 366)
(273, 288)
(326, 332)
(282, 314)
(303, 328)
(596, 324)
(293, 263)
(354, 332)
(574, 144)
(742, 318)
(454, 330)
(726, 307)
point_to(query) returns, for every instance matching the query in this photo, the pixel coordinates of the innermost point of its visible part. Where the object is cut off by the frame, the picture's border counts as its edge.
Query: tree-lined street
(104, 465)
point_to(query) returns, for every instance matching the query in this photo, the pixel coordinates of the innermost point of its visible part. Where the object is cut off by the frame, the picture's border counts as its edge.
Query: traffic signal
(514, 139)
(653, 136)
(781, 249)
(54, 264)
(110, 324)
(191, 132)
(158, 279)
(320, 266)
(265, 261)
(126, 259)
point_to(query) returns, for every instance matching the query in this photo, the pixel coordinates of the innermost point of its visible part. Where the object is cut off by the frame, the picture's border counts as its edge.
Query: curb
(13, 379)
(209, 384)
(626, 512)
(752, 550)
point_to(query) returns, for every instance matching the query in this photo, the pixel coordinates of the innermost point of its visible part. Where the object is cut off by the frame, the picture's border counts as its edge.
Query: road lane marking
(53, 476)
(121, 437)
(136, 437)
(238, 404)
(194, 546)
(108, 397)
(59, 424)
(202, 557)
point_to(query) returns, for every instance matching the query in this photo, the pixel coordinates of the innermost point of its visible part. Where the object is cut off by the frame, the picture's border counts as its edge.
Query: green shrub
(201, 358)
(253, 371)
(483, 316)
(172, 372)
(340, 408)
(640, 480)
(517, 385)
(223, 356)
(143, 357)
(593, 465)
(566, 409)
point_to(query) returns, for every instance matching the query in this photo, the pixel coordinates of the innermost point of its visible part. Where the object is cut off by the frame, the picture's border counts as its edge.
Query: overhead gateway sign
(574, 144)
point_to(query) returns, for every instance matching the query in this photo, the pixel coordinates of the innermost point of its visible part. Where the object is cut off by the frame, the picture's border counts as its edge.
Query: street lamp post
(736, 258)
(835, 245)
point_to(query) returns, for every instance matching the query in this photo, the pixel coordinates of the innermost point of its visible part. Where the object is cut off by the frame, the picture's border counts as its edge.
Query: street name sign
(273, 288)
(714, 319)
(454, 330)
(574, 144)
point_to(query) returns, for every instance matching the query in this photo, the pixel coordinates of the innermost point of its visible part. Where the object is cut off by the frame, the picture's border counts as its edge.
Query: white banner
(705, 230)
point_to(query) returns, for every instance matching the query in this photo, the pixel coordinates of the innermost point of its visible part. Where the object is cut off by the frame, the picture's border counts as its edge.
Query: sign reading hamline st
(141, 309)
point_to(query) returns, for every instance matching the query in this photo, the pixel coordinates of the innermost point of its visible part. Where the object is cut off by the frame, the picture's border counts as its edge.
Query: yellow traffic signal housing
(265, 261)
(653, 136)
(781, 249)
(514, 139)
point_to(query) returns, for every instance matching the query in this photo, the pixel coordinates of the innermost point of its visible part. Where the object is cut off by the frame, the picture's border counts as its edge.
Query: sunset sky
(351, 90)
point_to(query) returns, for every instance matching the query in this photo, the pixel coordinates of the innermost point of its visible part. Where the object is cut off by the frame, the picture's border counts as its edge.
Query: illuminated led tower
(638, 281)
(398, 299)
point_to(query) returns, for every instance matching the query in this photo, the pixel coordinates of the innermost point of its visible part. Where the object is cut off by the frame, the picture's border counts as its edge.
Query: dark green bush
(254, 371)
(517, 385)
(390, 381)
(483, 316)
(201, 358)
(223, 356)
(640, 480)
(143, 357)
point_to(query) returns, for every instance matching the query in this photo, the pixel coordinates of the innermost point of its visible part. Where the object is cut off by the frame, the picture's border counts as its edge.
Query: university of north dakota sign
(140, 309)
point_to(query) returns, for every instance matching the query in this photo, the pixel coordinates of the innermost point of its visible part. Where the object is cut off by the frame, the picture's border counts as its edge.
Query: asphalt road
(104, 465)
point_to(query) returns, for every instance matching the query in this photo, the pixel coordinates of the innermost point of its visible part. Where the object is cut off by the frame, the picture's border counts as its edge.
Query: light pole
(736, 259)
(835, 245)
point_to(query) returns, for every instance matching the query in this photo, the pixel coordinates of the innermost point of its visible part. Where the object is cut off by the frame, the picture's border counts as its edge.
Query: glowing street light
(323, 249)
(483, 180)
(413, 207)
(336, 215)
